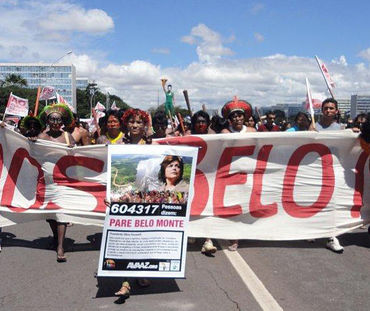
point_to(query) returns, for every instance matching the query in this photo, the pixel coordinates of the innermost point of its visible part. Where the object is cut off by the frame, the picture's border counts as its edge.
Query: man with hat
(236, 112)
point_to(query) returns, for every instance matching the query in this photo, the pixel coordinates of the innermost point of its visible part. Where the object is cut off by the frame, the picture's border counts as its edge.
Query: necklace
(113, 141)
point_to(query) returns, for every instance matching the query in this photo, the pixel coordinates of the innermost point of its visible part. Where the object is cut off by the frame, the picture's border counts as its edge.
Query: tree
(13, 79)
(83, 101)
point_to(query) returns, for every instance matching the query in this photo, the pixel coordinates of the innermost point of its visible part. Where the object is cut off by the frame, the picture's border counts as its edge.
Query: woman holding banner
(54, 117)
(135, 121)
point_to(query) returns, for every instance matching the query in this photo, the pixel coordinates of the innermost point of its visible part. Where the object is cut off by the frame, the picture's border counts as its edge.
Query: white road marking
(250, 279)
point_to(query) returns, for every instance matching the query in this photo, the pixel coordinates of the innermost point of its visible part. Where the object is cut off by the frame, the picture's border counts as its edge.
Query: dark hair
(218, 123)
(302, 114)
(270, 112)
(166, 161)
(361, 115)
(195, 117)
(365, 130)
(254, 120)
(159, 118)
(329, 100)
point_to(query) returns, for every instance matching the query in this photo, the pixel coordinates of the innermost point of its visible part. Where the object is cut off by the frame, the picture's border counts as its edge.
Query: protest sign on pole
(325, 73)
(16, 106)
(149, 189)
(48, 92)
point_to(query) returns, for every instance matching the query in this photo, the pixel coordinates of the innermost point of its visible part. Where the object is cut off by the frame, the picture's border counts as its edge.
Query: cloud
(47, 28)
(78, 19)
(340, 61)
(160, 51)
(259, 37)
(209, 43)
(256, 8)
(365, 54)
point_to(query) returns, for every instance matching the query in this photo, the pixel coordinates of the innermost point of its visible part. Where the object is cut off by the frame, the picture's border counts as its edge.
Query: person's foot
(124, 290)
(191, 240)
(233, 246)
(143, 282)
(60, 255)
(334, 245)
(208, 248)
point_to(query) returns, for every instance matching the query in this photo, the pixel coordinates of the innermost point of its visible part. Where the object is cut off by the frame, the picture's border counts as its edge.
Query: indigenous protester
(269, 126)
(328, 122)
(79, 133)
(30, 127)
(135, 121)
(111, 125)
(160, 125)
(236, 112)
(200, 122)
(250, 123)
(301, 123)
(358, 122)
(54, 117)
(218, 124)
(365, 135)
(183, 129)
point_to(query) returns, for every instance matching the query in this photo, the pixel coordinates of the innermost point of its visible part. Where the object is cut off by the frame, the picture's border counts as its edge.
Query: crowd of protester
(134, 126)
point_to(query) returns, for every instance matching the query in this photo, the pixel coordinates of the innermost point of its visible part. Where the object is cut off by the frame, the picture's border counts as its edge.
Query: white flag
(17, 106)
(325, 73)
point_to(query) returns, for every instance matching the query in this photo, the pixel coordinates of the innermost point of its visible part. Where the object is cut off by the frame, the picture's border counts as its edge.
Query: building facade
(61, 76)
(82, 83)
(359, 104)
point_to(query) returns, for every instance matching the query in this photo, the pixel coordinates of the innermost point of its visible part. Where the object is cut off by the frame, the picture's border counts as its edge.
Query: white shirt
(332, 127)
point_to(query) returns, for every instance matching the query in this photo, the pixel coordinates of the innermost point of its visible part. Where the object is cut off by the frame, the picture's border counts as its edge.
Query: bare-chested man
(54, 117)
(80, 135)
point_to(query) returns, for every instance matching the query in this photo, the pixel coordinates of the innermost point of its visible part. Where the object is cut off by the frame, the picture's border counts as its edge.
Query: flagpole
(309, 96)
(37, 102)
(7, 104)
(325, 79)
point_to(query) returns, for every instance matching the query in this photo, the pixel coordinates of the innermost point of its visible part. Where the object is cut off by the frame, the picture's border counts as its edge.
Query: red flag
(17, 106)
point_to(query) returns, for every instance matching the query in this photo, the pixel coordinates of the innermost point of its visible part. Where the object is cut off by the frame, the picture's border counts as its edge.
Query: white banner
(270, 186)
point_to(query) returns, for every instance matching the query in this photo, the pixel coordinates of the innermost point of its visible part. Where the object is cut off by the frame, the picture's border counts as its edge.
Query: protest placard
(149, 189)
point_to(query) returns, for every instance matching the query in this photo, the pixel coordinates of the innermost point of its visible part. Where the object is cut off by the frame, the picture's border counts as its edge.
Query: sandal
(208, 248)
(234, 246)
(61, 257)
(124, 290)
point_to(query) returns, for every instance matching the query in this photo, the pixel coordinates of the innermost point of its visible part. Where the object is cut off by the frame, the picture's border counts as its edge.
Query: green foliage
(83, 101)
(187, 172)
(30, 94)
(13, 79)
(184, 112)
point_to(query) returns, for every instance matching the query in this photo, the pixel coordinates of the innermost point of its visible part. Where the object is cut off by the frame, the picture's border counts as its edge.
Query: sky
(260, 51)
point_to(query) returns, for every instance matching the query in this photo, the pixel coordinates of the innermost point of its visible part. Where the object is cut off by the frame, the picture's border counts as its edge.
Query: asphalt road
(298, 275)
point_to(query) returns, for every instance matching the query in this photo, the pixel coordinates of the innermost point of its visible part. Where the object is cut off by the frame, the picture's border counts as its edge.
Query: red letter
(11, 181)
(223, 179)
(327, 183)
(201, 188)
(359, 185)
(96, 189)
(256, 208)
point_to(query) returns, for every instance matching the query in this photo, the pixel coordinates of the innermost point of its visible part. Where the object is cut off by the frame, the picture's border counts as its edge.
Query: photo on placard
(150, 178)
